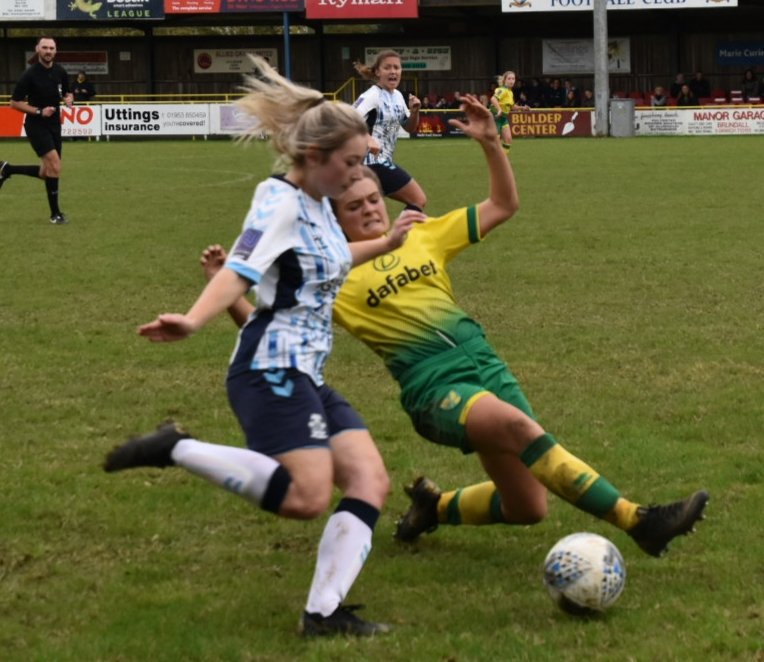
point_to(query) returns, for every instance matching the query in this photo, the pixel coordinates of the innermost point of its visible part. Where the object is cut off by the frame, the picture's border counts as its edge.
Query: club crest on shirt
(451, 401)
(246, 243)
(386, 262)
(317, 426)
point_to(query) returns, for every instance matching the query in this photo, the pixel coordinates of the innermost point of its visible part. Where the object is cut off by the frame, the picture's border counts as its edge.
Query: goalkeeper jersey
(402, 304)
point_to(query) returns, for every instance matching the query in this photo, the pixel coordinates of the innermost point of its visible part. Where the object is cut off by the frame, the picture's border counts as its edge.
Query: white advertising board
(27, 10)
(155, 119)
(81, 122)
(706, 121)
(586, 5)
(576, 56)
(231, 60)
(419, 58)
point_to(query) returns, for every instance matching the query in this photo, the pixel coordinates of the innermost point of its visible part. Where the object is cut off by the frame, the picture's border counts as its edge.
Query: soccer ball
(584, 573)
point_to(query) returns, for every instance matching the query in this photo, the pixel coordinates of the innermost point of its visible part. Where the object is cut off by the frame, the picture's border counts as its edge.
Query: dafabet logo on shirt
(395, 281)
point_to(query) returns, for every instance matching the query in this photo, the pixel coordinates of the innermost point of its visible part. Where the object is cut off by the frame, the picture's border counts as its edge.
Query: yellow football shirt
(505, 97)
(402, 304)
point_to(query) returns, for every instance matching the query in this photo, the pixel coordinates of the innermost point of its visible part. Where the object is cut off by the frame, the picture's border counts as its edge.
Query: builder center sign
(344, 9)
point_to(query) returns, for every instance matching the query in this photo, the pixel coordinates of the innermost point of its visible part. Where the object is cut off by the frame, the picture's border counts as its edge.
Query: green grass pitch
(627, 295)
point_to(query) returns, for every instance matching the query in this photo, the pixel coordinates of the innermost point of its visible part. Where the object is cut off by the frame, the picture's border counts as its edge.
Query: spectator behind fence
(555, 95)
(658, 98)
(750, 85)
(571, 101)
(676, 87)
(568, 86)
(686, 97)
(587, 101)
(700, 86)
(82, 89)
(534, 93)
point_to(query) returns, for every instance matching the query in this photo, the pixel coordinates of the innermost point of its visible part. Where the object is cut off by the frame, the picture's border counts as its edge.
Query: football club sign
(584, 5)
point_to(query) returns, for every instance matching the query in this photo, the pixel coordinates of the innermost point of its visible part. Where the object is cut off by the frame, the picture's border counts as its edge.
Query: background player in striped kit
(385, 111)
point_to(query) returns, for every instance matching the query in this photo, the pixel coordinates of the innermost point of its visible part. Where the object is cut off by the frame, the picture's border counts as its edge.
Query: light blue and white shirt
(384, 112)
(293, 252)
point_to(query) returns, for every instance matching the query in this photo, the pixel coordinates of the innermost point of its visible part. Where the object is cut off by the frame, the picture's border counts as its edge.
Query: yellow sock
(506, 147)
(575, 481)
(623, 515)
(473, 505)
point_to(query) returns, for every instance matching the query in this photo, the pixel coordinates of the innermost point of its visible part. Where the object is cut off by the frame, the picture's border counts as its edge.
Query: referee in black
(38, 94)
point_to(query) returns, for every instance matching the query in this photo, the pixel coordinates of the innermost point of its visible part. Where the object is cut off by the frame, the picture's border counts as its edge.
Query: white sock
(238, 470)
(344, 546)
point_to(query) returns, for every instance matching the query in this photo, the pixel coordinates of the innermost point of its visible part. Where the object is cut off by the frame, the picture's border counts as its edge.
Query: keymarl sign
(347, 9)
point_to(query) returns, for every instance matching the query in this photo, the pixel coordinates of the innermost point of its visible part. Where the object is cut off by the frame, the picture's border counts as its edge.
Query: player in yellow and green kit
(502, 103)
(454, 387)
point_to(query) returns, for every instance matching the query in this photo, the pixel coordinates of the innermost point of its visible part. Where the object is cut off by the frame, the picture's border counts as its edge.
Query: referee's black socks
(51, 186)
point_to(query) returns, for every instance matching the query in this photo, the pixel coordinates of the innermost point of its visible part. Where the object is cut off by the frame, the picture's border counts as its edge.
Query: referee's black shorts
(44, 134)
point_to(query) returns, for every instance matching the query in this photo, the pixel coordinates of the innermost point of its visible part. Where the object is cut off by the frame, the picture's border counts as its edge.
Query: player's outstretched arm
(503, 199)
(221, 292)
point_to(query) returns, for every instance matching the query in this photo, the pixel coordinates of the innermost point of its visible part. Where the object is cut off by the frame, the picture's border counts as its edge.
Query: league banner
(110, 10)
(586, 5)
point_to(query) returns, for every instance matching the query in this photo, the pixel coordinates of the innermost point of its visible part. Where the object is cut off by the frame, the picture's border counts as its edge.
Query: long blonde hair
(295, 117)
(502, 77)
(370, 72)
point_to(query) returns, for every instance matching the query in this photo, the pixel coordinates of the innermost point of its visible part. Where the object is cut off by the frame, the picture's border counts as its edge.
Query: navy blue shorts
(392, 177)
(283, 410)
(44, 135)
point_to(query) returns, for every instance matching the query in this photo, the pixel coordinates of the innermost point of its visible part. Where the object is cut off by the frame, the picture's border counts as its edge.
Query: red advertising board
(347, 9)
(222, 6)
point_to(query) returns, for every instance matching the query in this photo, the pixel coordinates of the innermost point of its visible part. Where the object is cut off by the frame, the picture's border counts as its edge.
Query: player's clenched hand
(402, 225)
(373, 146)
(212, 259)
(167, 327)
(478, 123)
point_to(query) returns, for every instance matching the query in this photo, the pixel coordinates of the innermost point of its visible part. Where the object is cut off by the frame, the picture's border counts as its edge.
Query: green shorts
(438, 393)
(501, 122)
